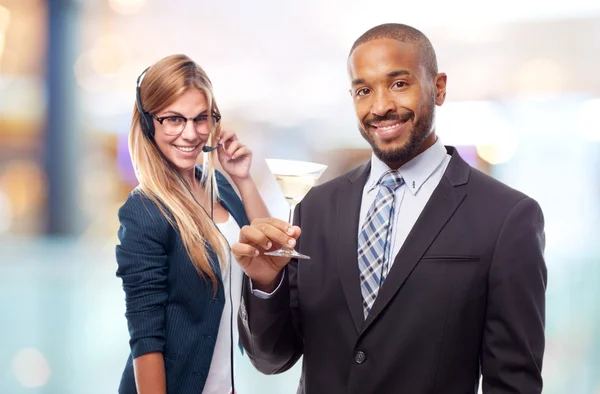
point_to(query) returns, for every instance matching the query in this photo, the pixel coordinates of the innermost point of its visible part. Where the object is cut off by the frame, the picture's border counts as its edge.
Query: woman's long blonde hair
(163, 83)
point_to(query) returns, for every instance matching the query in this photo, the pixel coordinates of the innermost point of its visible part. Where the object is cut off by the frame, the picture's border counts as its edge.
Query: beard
(421, 129)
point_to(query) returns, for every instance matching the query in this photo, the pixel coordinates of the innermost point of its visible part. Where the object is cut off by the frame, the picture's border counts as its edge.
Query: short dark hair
(406, 34)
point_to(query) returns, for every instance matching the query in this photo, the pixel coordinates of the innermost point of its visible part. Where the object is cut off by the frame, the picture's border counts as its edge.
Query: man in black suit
(424, 274)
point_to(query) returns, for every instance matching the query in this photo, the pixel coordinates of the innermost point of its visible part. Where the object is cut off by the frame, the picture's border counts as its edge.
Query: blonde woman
(176, 228)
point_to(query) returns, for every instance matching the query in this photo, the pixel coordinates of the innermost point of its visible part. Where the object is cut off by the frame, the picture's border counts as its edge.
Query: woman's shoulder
(144, 209)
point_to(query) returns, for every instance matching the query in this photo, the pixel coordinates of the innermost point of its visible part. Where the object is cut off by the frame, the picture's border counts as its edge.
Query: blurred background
(523, 106)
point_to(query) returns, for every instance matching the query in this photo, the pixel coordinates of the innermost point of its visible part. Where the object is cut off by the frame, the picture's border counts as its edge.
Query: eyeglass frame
(161, 119)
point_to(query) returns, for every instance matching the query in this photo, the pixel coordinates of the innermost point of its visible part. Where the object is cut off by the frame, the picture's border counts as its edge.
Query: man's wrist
(268, 287)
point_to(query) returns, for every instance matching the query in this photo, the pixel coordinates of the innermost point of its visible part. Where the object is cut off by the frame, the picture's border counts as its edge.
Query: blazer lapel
(444, 201)
(348, 211)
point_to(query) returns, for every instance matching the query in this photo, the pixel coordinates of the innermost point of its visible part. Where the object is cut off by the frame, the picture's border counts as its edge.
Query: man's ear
(440, 88)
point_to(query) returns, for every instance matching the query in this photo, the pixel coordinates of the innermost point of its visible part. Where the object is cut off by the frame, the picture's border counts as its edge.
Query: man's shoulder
(492, 192)
(483, 189)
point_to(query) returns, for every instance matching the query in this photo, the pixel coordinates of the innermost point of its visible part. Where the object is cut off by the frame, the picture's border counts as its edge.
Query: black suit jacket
(465, 295)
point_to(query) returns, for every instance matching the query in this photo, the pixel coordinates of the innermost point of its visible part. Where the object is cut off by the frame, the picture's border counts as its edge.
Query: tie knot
(392, 180)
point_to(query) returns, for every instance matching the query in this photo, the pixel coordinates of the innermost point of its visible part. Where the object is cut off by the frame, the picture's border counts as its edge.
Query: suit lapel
(348, 211)
(444, 201)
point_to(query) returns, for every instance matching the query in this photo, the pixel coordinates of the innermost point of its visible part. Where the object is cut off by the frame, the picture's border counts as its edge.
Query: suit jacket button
(360, 357)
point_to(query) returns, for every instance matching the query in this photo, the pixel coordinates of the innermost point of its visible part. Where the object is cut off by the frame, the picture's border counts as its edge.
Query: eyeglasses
(174, 124)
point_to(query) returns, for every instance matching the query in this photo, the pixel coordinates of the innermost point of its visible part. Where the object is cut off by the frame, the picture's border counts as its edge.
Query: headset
(146, 121)
(147, 126)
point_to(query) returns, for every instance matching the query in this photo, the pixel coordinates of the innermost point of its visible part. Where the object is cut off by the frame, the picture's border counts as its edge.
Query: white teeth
(185, 148)
(389, 127)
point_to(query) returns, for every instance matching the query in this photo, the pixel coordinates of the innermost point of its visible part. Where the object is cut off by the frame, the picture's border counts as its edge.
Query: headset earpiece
(146, 122)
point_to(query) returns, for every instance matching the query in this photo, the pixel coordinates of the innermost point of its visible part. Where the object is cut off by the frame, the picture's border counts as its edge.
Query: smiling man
(395, 86)
(425, 274)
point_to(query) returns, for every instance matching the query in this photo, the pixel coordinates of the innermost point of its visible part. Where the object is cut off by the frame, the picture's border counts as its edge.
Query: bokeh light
(31, 368)
(126, 7)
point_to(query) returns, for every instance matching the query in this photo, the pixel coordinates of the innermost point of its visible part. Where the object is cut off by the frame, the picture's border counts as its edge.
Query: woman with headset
(174, 259)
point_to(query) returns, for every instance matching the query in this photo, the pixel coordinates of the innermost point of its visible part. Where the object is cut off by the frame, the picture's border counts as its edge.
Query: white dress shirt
(421, 176)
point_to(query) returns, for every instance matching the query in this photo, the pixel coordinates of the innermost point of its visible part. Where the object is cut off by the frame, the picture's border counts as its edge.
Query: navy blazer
(169, 307)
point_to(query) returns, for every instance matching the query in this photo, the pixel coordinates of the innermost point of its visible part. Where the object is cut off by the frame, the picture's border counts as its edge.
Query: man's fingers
(269, 231)
(241, 250)
(255, 236)
(275, 234)
(285, 227)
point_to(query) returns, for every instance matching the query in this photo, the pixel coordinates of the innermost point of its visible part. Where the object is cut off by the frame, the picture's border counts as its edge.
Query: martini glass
(295, 178)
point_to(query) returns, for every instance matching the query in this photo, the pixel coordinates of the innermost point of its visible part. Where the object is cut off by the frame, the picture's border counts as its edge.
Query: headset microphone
(207, 149)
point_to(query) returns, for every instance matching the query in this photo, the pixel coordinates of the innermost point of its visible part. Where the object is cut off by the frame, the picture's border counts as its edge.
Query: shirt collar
(415, 172)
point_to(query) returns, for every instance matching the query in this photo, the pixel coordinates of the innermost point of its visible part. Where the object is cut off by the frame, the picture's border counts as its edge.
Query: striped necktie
(374, 240)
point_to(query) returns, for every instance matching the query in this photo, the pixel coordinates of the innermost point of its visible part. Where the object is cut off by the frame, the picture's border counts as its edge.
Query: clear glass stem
(284, 250)
(291, 214)
(290, 221)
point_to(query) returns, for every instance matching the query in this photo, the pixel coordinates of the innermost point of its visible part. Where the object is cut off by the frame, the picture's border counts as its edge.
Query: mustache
(390, 116)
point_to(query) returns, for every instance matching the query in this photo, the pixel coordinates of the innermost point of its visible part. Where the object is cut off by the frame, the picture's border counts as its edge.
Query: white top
(421, 176)
(219, 375)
